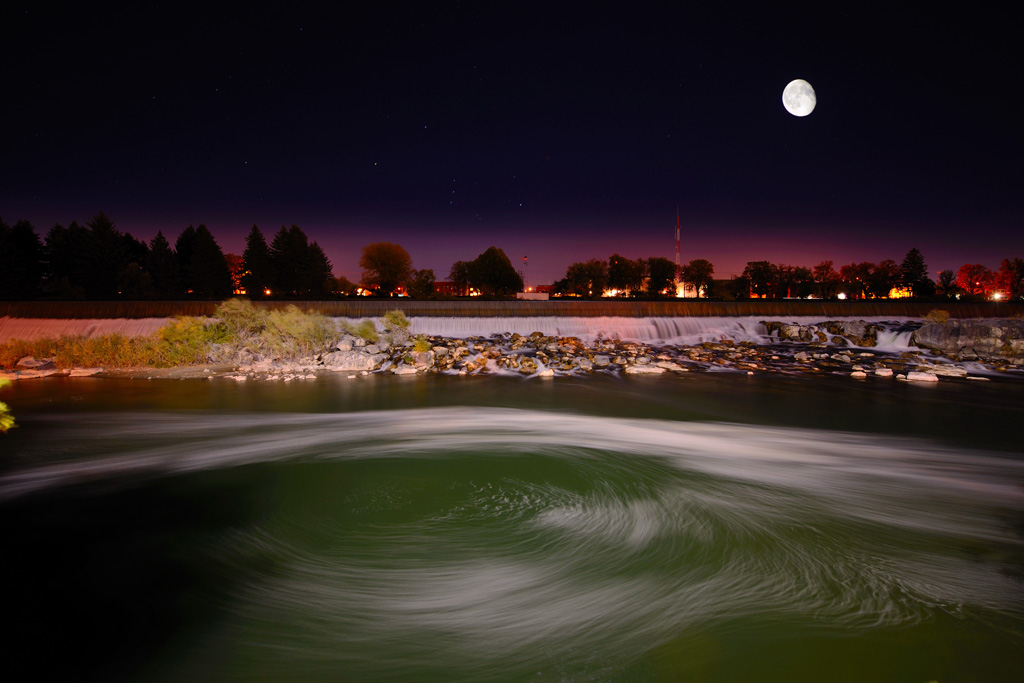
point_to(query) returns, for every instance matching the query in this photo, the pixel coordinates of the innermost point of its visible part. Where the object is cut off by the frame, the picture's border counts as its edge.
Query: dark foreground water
(695, 528)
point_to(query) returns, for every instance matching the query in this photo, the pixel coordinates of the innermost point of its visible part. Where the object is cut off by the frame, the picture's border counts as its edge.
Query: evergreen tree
(21, 261)
(318, 272)
(108, 256)
(913, 274)
(67, 261)
(162, 266)
(184, 248)
(208, 271)
(257, 270)
(289, 253)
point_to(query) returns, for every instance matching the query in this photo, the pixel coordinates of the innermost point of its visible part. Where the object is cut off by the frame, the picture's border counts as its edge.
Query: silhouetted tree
(206, 273)
(21, 261)
(319, 275)
(827, 279)
(855, 277)
(740, 287)
(699, 274)
(108, 254)
(461, 276)
(257, 268)
(763, 277)
(793, 281)
(184, 247)
(884, 277)
(587, 279)
(386, 266)
(344, 286)
(67, 261)
(1010, 277)
(493, 274)
(661, 277)
(947, 284)
(162, 266)
(421, 284)
(914, 274)
(626, 275)
(975, 279)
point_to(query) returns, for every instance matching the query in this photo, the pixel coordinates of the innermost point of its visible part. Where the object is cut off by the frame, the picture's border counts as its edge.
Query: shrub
(290, 333)
(937, 315)
(6, 419)
(395, 320)
(421, 344)
(241, 319)
(364, 329)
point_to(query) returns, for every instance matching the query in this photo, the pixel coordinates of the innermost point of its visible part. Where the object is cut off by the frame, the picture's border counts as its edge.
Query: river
(712, 527)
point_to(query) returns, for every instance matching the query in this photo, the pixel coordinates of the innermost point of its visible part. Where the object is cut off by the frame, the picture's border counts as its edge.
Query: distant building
(447, 288)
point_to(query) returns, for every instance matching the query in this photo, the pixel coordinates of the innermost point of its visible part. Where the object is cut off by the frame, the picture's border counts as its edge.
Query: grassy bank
(285, 334)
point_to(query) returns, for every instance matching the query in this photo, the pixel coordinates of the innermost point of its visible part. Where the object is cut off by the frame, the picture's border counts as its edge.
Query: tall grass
(6, 419)
(286, 334)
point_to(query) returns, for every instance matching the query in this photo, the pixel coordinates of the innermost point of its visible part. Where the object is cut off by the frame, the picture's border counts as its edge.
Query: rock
(644, 370)
(602, 361)
(973, 339)
(528, 366)
(30, 363)
(343, 361)
(944, 370)
(883, 372)
(922, 377)
(859, 374)
(88, 372)
(585, 364)
(404, 370)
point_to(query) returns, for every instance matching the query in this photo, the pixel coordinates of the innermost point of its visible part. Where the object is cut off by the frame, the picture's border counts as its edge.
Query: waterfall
(664, 330)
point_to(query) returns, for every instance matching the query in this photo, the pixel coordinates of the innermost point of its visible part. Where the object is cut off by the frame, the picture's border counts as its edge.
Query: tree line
(98, 261)
(657, 277)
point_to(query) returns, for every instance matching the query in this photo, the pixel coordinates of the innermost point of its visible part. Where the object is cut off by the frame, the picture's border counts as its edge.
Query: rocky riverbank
(954, 349)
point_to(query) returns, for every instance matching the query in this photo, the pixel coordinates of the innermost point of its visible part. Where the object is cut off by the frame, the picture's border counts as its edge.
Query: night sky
(558, 131)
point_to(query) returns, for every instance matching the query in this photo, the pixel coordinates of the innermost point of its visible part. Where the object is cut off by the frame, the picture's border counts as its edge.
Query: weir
(366, 308)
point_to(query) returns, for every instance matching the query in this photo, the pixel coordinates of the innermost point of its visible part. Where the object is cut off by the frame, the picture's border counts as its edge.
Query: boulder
(342, 361)
(644, 370)
(922, 377)
(30, 363)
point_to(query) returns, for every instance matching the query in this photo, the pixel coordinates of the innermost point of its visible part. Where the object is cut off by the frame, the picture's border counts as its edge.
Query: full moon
(798, 98)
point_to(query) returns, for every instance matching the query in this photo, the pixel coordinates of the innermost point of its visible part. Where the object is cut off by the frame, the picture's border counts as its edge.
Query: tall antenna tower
(677, 238)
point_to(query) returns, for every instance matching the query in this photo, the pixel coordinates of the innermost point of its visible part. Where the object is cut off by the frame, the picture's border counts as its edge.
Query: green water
(695, 528)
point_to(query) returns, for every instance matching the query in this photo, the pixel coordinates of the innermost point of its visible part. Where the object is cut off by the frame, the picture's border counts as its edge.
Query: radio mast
(677, 239)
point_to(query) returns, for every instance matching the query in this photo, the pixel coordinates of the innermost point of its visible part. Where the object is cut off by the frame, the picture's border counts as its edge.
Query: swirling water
(494, 529)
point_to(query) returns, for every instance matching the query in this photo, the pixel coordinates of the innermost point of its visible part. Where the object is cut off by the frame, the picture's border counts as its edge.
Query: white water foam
(664, 330)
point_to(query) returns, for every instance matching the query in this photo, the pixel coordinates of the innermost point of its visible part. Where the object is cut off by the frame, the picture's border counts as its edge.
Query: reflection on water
(482, 542)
